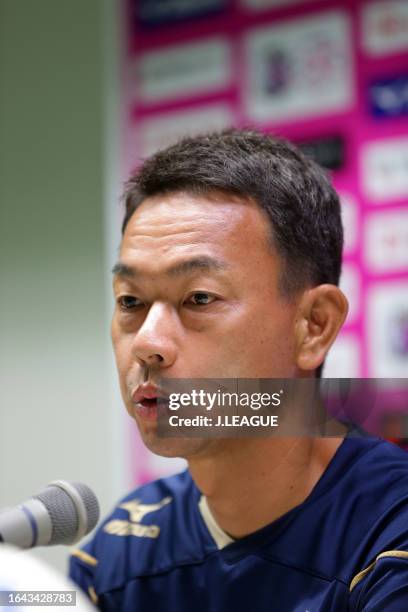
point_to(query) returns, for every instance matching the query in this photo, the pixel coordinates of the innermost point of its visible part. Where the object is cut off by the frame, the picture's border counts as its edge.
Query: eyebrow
(182, 268)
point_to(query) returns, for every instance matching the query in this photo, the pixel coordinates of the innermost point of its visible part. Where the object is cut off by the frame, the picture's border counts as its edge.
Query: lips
(145, 391)
(147, 398)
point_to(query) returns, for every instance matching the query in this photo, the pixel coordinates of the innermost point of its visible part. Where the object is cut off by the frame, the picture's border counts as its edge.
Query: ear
(322, 311)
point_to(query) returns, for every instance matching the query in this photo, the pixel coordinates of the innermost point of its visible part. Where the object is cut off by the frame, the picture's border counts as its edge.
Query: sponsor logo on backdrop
(162, 130)
(385, 169)
(385, 26)
(399, 332)
(350, 285)
(160, 12)
(388, 329)
(182, 70)
(343, 360)
(299, 68)
(386, 241)
(389, 97)
(327, 151)
(350, 220)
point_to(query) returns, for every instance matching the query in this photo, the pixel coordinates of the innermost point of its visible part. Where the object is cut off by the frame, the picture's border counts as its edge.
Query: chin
(174, 447)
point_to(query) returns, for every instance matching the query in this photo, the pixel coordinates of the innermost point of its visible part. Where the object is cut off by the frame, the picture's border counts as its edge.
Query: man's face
(197, 297)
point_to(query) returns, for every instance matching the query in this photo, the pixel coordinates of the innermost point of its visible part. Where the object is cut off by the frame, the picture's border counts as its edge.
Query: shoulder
(370, 469)
(371, 490)
(379, 472)
(380, 533)
(138, 537)
(357, 511)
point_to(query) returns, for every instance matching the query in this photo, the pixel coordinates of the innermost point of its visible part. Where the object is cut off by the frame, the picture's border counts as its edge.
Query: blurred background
(90, 88)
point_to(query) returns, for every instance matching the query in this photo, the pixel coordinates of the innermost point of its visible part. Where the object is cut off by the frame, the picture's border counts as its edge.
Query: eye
(128, 302)
(200, 299)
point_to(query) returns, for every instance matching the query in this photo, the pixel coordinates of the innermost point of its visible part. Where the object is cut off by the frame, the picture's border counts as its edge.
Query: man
(229, 266)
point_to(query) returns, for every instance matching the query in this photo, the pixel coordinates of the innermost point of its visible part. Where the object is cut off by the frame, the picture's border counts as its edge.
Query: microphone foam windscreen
(64, 517)
(90, 502)
(63, 513)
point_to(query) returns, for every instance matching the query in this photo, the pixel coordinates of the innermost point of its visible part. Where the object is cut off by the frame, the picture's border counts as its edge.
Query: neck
(249, 483)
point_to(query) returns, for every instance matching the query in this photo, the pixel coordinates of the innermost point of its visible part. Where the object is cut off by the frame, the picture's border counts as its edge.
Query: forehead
(171, 226)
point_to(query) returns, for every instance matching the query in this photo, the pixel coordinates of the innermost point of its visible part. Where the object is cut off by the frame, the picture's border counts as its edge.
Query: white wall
(57, 169)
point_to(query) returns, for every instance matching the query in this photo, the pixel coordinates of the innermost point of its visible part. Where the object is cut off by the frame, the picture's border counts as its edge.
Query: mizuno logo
(138, 510)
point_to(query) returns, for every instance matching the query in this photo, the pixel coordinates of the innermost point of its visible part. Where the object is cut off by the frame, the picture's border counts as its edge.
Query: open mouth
(149, 407)
(149, 402)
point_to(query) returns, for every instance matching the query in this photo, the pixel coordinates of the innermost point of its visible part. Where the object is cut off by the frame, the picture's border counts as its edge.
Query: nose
(154, 343)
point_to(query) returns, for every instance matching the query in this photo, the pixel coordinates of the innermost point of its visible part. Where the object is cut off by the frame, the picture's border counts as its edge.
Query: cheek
(123, 354)
(124, 368)
(266, 345)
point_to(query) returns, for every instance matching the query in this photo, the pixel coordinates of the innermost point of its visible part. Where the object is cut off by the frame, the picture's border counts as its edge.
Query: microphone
(62, 513)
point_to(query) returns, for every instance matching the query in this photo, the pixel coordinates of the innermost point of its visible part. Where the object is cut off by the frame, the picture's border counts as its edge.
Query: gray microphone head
(73, 510)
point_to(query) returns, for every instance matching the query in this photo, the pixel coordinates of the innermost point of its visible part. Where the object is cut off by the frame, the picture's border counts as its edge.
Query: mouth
(148, 402)
(147, 409)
